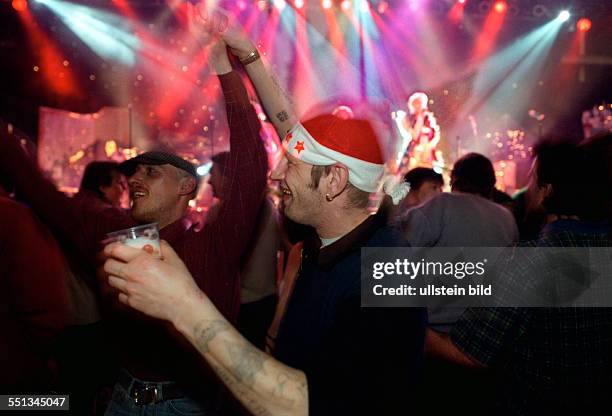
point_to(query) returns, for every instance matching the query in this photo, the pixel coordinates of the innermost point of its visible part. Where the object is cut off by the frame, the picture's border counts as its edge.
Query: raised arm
(164, 289)
(247, 167)
(276, 103)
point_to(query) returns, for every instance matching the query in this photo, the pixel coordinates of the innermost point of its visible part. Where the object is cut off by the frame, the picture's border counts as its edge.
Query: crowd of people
(258, 311)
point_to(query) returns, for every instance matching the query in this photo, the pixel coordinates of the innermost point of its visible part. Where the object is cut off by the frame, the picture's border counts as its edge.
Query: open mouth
(137, 194)
(285, 191)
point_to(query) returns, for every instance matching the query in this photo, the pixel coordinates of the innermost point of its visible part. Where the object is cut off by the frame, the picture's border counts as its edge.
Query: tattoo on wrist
(206, 331)
(282, 116)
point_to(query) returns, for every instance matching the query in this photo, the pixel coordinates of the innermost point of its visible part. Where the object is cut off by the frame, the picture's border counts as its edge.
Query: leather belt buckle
(146, 395)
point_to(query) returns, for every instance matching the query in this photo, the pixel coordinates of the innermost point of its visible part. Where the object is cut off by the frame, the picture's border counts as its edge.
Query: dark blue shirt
(356, 360)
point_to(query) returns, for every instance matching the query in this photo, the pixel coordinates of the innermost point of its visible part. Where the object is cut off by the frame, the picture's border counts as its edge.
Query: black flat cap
(157, 157)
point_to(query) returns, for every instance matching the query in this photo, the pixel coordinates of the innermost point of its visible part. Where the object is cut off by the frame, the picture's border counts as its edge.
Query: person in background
(258, 266)
(503, 199)
(87, 361)
(34, 305)
(424, 183)
(466, 217)
(106, 181)
(549, 361)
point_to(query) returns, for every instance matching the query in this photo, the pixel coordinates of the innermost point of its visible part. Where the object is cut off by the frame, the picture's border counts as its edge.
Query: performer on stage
(420, 133)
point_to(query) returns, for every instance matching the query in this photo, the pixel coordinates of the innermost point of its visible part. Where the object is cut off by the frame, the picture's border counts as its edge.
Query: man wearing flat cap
(158, 372)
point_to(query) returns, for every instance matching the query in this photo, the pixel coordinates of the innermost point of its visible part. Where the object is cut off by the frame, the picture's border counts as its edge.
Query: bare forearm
(263, 385)
(219, 62)
(273, 97)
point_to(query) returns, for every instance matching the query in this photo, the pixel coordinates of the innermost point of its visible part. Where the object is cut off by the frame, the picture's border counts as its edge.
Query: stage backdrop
(68, 141)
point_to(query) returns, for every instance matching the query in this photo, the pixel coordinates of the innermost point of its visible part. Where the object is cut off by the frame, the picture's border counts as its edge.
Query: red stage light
(20, 5)
(584, 24)
(345, 5)
(327, 4)
(500, 6)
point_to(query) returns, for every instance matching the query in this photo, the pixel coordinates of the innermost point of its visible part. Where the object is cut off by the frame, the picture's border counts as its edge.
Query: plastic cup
(138, 237)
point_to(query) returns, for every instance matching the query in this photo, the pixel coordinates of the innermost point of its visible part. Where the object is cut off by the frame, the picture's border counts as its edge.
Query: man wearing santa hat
(331, 356)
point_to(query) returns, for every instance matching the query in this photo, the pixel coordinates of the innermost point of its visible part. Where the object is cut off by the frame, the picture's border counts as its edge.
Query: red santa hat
(327, 139)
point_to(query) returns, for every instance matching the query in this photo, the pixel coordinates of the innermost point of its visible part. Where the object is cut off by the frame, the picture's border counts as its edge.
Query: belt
(144, 393)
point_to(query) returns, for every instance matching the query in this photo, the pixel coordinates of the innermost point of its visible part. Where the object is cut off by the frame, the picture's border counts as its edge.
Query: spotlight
(20, 5)
(327, 4)
(299, 4)
(564, 15)
(461, 1)
(500, 6)
(383, 6)
(279, 4)
(345, 5)
(584, 24)
(364, 6)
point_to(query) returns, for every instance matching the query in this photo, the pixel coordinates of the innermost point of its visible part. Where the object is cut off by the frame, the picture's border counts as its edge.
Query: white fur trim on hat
(300, 144)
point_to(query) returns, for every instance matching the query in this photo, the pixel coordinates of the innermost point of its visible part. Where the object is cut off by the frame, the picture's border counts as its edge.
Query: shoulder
(14, 214)
(20, 226)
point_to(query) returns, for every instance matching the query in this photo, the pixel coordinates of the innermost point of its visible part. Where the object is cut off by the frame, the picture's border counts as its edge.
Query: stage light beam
(364, 6)
(584, 24)
(326, 4)
(345, 5)
(299, 4)
(564, 15)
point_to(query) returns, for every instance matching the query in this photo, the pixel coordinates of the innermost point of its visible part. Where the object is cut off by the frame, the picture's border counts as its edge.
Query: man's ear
(187, 185)
(337, 180)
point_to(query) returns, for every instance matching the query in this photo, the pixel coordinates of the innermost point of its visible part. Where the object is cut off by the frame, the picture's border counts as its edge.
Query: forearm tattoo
(246, 360)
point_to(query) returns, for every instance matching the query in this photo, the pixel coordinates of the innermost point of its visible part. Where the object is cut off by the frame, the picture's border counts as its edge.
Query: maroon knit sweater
(151, 349)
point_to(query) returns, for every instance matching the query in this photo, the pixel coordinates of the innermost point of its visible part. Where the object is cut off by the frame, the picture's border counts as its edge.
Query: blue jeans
(121, 404)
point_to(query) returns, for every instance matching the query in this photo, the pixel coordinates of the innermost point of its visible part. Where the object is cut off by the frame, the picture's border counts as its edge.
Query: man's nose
(135, 179)
(278, 173)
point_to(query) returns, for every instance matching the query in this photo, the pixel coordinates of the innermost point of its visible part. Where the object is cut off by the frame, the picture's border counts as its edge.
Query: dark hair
(596, 169)
(357, 198)
(221, 159)
(98, 174)
(473, 174)
(558, 164)
(500, 197)
(417, 176)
